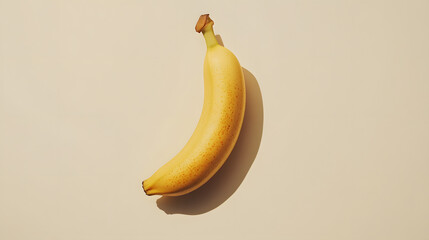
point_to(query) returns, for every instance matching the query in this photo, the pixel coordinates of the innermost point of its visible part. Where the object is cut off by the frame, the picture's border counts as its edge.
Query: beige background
(96, 95)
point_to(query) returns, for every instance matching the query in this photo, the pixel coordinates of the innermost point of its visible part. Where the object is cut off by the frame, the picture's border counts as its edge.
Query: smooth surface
(97, 95)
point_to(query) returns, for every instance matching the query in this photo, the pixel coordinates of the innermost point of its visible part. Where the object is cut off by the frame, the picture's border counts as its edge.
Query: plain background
(97, 95)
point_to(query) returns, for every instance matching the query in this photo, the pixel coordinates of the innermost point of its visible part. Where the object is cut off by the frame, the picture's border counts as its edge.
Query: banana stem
(205, 25)
(209, 36)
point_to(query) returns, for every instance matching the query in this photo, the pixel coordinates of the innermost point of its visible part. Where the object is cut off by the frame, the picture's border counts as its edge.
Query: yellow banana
(218, 128)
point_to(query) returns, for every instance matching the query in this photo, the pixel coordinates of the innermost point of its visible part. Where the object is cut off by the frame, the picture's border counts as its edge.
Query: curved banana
(218, 128)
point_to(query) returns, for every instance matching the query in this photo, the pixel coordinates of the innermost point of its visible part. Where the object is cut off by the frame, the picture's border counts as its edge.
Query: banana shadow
(227, 180)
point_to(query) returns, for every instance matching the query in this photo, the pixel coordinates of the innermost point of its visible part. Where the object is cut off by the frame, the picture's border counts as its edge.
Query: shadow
(219, 40)
(230, 176)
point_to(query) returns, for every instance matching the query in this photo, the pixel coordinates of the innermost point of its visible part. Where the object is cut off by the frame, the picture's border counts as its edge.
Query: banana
(218, 128)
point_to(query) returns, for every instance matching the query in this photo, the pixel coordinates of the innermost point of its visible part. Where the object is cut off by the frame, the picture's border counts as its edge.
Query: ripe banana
(218, 128)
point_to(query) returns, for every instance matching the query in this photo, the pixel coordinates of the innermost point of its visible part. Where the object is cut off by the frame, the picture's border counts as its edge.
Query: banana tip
(144, 189)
